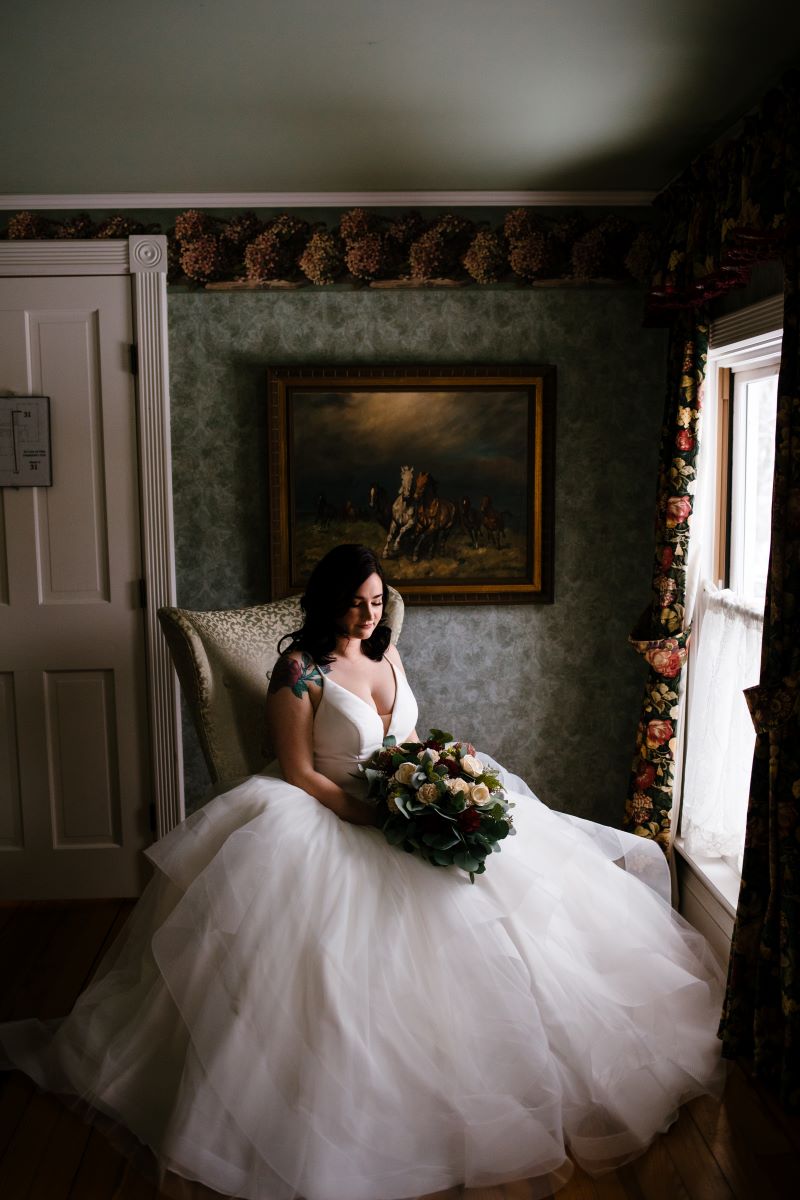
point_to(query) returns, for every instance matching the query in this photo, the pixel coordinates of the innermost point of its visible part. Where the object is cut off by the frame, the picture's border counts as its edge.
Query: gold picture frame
(446, 472)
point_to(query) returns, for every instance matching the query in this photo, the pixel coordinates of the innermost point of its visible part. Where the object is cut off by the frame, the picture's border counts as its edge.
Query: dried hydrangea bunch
(274, 254)
(322, 260)
(204, 259)
(27, 225)
(192, 224)
(485, 259)
(356, 223)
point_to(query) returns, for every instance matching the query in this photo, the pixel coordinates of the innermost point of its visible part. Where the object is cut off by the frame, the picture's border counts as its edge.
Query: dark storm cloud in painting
(475, 442)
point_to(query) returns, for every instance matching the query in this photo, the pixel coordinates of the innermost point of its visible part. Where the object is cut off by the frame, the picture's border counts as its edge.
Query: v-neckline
(367, 704)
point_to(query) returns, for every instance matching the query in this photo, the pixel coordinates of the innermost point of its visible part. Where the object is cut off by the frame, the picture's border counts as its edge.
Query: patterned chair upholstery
(223, 660)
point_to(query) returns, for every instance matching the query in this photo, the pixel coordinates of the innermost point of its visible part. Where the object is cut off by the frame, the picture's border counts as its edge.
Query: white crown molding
(144, 259)
(180, 200)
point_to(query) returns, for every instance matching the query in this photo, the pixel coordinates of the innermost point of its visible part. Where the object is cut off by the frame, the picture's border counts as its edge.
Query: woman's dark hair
(328, 595)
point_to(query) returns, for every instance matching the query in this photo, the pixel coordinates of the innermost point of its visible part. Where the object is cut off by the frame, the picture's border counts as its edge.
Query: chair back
(223, 660)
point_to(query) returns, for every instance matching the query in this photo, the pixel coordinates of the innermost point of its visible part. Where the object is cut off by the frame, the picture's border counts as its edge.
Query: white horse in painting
(404, 514)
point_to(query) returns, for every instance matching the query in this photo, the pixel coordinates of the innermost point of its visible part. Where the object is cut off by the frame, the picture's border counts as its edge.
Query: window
(729, 563)
(752, 451)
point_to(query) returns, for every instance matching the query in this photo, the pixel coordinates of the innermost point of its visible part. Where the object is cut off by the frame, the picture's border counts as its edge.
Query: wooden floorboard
(742, 1147)
(100, 1170)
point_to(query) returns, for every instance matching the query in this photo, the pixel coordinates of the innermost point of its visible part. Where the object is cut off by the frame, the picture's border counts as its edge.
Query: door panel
(71, 632)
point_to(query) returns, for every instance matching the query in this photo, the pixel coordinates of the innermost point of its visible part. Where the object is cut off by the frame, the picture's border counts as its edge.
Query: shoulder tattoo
(294, 674)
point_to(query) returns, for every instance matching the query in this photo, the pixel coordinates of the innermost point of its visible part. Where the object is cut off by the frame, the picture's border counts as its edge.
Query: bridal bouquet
(441, 802)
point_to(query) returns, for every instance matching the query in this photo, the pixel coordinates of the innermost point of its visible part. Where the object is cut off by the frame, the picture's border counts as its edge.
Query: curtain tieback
(665, 655)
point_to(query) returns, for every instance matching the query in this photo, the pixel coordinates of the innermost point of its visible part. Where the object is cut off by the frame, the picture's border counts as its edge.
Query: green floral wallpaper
(553, 690)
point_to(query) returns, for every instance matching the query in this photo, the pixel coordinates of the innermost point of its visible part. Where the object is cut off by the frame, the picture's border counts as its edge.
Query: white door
(74, 766)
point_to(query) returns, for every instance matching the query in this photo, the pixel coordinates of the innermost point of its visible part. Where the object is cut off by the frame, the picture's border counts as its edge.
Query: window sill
(719, 877)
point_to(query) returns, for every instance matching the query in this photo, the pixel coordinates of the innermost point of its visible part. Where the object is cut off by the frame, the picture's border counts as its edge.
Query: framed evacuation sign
(25, 441)
(445, 472)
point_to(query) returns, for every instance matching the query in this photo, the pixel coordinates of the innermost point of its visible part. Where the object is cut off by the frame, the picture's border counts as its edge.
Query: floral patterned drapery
(737, 205)
(734, 206)
(661, 637)
(761, 1017)
(728, 210)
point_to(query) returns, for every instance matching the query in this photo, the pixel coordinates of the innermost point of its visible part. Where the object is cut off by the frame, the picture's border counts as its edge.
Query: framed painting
(445, 472)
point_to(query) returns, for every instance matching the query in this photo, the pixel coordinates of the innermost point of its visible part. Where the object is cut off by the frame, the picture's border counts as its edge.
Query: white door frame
(144, 258)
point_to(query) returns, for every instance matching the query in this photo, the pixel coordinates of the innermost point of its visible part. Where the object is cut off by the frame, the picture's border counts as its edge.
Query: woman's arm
(295, 690)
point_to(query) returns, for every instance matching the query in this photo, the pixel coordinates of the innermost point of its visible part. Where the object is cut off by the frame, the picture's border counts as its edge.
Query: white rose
(430, 755)
(456, 785)
(472, 765)
(405, 773)
(428, 793)
(479, 793)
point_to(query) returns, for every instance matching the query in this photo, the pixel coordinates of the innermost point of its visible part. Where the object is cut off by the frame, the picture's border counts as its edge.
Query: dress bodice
(347, 729)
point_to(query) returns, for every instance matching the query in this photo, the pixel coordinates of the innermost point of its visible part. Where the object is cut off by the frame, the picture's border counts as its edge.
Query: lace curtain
(720, 733)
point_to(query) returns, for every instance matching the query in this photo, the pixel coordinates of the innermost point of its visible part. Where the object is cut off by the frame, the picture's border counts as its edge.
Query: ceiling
(190, 96)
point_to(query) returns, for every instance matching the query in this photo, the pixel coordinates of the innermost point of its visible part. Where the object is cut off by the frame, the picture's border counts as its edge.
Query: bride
(297, 1009)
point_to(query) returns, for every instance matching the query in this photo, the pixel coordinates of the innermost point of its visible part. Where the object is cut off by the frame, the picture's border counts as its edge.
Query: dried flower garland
(367, 247)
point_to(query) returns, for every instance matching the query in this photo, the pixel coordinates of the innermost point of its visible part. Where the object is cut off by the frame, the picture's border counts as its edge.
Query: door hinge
(134, 353)
(142, 593)
(151, 817)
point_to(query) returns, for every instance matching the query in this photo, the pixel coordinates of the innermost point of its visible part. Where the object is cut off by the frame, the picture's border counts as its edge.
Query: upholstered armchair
(223, 659)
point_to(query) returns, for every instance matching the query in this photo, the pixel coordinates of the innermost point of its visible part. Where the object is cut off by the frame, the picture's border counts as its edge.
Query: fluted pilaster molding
(148, 265)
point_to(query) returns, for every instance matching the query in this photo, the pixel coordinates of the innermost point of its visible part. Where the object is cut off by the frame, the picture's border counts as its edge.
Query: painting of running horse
(445, 472)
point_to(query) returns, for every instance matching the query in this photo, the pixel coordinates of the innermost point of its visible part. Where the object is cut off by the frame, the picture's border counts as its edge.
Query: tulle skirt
(297, 1009)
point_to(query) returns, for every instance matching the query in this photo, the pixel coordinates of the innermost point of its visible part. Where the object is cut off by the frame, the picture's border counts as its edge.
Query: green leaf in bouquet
(389, 742)
(441, 859)
(393, 833)
(465, 860)
(401, 802)
(441, 839)
(438, 735)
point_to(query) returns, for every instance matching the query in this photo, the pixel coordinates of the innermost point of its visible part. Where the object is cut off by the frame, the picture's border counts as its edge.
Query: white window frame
(746, 341)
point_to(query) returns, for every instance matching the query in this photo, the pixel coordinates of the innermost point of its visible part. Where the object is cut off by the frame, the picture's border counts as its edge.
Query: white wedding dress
(297, 1009)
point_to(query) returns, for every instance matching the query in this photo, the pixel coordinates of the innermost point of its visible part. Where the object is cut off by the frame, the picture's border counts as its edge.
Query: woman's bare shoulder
(297, 671)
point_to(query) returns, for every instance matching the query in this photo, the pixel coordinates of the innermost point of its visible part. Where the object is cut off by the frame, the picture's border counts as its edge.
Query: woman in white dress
(298, 1009)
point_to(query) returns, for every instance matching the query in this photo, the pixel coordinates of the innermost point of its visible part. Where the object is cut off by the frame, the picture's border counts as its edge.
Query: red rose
(658, 732)
(667, 555)
(665, 662)
(469, 820)
(679, 509)
(645, 776)
(453, 769)
(684, 440)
